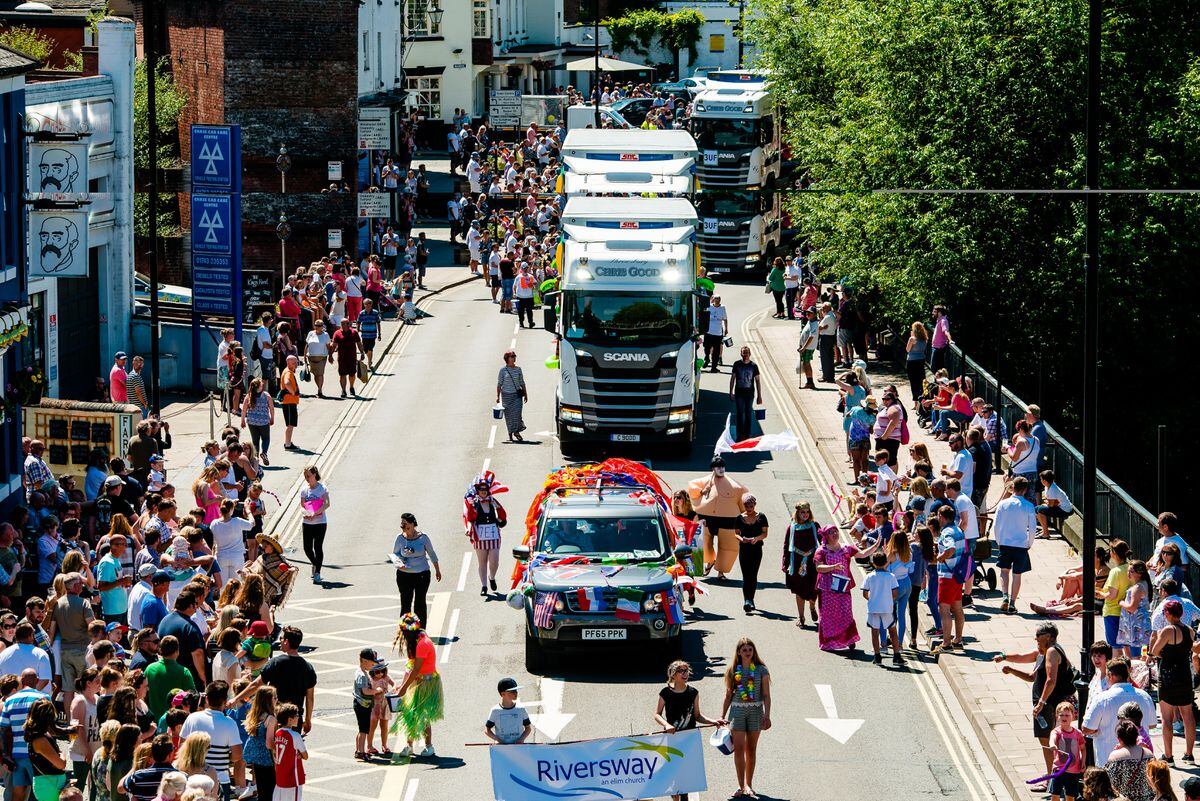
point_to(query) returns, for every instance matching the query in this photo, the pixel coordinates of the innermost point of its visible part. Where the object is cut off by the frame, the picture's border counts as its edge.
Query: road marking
(492, 438)
(487, 463)
(411, 793)
(450, 636)
(516, 326)
(551, 720)
(840, 729)
(971, 774)
(512, 343)
(462, 574)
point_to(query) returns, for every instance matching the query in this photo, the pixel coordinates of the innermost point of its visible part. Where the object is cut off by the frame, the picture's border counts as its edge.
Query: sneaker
(406, 751)
(353, 393)
(1167, 759)
(428, 752)
(747, 607)
(967, 601)
(897, 659)
(1188, 758)
(249, 792)
(878, 659)
(265, 460)
(492, 584)
(1004, 604)
(483, 591)
(316, 578)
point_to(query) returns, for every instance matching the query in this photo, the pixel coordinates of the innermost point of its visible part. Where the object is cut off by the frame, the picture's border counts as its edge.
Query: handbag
(305, 375)
(364, 374)
(48, 786)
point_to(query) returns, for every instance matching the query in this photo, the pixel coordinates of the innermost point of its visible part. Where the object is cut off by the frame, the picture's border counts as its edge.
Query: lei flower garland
(745, 682)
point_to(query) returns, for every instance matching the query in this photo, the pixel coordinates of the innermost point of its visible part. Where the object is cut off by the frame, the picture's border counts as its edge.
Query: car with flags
(598, 570)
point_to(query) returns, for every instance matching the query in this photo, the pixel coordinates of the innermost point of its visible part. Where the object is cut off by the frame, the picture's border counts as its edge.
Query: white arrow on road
(552, 720)
(840, 729)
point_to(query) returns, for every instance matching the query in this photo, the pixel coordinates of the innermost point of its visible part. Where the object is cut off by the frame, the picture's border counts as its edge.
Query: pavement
(997, 706)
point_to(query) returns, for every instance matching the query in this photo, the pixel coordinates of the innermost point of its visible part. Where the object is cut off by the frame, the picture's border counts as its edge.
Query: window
(716, 43)
(481, 19)
(416, 18)
(366, 50)
(425, 95)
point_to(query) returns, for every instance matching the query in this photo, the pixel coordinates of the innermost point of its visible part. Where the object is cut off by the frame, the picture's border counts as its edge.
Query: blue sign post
(217, 158)
(216, 229)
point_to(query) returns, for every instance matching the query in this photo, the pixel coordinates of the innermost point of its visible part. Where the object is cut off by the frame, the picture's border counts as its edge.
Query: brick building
(284, 70)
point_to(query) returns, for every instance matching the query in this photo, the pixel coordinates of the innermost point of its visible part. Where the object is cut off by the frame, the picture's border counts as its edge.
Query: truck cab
(626, 322)
(595, 524)
(739, 229)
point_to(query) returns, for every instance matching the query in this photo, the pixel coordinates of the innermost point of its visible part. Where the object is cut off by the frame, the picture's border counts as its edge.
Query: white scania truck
(735, 122)
(626, 321)
(628, 163)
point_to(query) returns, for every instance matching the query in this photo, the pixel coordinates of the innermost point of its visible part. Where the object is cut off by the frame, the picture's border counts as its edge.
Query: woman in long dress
(512, 394)
(800, 573)
(836, 630)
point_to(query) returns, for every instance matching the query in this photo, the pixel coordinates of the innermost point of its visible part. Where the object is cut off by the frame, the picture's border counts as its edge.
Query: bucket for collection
(728, 342)
(722, 740)
(395, 702)
(497, 411)
(839, 583)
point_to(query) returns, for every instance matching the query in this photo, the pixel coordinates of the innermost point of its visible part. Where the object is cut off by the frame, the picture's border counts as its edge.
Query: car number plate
(604, 634)
(626, 437)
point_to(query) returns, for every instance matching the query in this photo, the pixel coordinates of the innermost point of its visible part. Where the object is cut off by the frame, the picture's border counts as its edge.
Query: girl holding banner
(679, 706)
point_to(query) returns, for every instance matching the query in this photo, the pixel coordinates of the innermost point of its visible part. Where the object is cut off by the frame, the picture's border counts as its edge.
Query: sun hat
(267, 539)
(260, 629)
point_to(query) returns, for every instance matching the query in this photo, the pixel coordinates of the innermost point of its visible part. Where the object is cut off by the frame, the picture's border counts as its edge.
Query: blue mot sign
(216, 254)
(216, 158)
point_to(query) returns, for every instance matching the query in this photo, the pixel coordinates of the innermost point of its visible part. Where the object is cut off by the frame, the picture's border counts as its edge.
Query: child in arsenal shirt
(290, 754)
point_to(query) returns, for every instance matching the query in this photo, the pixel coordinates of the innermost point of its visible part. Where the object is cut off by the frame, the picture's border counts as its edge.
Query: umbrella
(606, 65)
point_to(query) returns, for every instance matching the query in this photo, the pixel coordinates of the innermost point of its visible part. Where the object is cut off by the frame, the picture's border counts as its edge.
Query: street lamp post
(741, 34)
(151, 45)
(283, 163)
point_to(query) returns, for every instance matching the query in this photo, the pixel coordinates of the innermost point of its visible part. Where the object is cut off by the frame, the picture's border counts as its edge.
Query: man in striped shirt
(225, 750)
(135, 387)
(142, 785)
(12, 727)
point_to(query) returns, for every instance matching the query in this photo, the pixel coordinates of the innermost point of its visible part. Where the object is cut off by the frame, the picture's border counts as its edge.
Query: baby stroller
(980, 554)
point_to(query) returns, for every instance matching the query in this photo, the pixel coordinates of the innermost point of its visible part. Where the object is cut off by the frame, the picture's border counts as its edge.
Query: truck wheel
(535, 656)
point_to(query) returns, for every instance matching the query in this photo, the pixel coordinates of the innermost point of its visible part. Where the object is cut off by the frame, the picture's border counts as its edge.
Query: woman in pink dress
(836, 630)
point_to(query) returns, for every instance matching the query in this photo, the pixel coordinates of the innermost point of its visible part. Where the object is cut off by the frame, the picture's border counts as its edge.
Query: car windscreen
(604, 537)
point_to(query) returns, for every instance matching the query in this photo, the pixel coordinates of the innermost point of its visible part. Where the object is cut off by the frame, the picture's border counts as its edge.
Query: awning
(606, 65)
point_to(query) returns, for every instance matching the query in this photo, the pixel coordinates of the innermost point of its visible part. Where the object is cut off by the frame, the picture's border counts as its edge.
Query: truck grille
(724, 251)
(735, 175)
(638, 397)
(610, 603)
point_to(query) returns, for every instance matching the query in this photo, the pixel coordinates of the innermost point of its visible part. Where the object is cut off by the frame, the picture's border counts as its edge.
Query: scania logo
(626, 357)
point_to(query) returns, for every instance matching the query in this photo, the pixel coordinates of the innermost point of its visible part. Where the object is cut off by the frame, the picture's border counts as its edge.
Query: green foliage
(962, 94)
(169, 104)
(29, 41)
(73, 61)
(637, 30)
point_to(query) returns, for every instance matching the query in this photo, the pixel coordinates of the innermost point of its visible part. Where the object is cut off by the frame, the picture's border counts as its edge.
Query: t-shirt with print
(951, 538)
(879, 586)
(1065, 743)
(508, 724)
(744, 374)
(717, 315)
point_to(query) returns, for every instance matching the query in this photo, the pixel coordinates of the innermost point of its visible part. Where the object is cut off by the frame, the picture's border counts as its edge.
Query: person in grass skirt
(424, 701)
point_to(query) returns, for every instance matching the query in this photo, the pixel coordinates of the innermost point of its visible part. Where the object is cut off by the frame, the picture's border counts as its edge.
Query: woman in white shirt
(317, 347)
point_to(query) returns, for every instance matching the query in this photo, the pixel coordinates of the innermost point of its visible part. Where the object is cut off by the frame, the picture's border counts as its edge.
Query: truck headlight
(679, 416)
(558, 605)
(569, 415)
(650, 604)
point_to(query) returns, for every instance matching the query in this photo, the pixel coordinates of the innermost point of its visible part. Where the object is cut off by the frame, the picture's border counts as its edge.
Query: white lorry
(626, 322)
(632, 162)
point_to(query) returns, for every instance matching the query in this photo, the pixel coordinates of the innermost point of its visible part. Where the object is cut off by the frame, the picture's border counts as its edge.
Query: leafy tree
(962, 94)
(637, 30)
(169, 104)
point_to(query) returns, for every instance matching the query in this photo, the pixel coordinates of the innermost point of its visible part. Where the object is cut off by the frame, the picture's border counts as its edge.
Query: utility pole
(596, 41)
(1091, 265)
(150, 37)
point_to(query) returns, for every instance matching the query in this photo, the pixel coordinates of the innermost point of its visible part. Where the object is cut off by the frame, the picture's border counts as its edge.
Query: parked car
(634, 109)
(167, 293)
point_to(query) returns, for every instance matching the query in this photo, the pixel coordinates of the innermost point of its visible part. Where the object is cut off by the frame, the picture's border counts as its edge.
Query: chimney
(91, 60)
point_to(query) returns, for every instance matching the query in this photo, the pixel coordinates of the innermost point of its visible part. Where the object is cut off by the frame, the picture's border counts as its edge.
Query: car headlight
(568, 415)
(679, 416)
(650, 605)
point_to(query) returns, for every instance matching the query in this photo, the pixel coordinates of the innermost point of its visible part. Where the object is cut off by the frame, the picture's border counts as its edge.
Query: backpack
(255, 350)
(104, 511)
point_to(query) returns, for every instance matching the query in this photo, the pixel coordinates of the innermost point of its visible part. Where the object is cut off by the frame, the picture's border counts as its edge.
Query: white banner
(650, 766)
(58, 244)
(783, 441)
(58, 168)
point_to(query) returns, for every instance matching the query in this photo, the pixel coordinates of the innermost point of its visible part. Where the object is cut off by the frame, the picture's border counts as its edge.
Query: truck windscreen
(626, 318)
(631, 538)
(727, 204)
(716, 132)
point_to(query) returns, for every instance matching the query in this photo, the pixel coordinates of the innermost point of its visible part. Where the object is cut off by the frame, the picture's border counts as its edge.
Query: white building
(448, 53)
(76, 324)
(718, 44)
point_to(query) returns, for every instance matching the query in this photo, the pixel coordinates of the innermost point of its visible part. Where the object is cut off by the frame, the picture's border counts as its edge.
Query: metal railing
(1118, 515)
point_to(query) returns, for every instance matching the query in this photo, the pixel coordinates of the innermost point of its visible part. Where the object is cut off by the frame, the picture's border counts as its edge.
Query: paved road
(419, 436)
